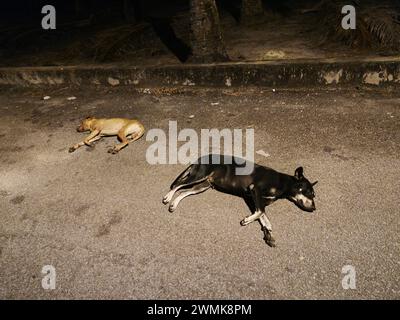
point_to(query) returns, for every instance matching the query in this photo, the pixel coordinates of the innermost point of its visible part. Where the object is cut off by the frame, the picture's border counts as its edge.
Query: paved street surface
(98, 218)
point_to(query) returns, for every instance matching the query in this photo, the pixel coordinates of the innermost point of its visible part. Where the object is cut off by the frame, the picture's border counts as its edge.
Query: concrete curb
(298, 73)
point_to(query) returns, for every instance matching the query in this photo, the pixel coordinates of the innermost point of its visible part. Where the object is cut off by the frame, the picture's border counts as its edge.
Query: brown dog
(110, 127)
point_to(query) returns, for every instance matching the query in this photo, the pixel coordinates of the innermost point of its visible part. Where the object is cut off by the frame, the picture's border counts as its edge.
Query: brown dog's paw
(72, 149)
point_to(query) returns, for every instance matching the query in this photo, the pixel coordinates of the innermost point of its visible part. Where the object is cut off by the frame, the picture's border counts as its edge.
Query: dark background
(85, 28)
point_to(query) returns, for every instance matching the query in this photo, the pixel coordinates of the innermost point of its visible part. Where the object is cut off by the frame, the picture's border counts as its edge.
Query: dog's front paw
(269, 239)
(165, 201)
(171, 208)
(243, 223)
(72, 149)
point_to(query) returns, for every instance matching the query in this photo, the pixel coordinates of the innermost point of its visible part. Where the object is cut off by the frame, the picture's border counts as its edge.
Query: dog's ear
(298, 174)
(314, 183)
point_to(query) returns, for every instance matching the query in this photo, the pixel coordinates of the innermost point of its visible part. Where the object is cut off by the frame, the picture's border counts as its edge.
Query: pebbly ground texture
(98, 218)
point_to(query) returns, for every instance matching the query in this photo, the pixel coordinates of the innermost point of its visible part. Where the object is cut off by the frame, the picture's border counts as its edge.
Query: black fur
(260, 188)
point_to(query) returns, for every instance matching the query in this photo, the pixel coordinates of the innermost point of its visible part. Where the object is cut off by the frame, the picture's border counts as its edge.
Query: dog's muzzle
(310, 208)
(306, 205)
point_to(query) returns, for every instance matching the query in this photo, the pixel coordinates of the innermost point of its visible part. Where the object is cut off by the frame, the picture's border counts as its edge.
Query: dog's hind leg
(181, 179)
(122, 136)
(135, 136)
(267, 229)
(168, 197)
(124, 142)
(199, 188)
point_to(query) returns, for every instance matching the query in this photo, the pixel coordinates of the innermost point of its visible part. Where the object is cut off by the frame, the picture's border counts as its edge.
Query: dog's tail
(185, 173)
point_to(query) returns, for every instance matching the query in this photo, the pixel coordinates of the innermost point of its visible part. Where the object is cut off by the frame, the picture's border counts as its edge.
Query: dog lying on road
(259, 189)
(122, 128)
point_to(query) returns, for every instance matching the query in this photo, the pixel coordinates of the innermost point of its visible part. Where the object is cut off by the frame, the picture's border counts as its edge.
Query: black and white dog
(260, 188)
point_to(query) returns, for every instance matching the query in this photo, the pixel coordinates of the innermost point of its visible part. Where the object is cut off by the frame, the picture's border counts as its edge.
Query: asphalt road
(98, 218)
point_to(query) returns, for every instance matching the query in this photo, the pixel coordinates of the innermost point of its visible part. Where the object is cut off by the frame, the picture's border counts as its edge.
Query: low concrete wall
(378, 72)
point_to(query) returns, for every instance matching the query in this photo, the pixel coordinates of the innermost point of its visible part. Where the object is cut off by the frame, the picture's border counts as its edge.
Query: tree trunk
(251, 11)
(207, 41)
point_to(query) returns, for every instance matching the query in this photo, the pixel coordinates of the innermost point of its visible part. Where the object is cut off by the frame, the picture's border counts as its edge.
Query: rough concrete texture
(98, 218)
(284, 74)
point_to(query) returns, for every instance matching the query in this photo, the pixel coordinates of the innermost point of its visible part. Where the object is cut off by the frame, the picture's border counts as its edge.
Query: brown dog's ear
(299, 173)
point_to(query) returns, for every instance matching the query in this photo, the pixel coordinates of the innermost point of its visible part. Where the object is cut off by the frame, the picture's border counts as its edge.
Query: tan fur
(120, 127)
